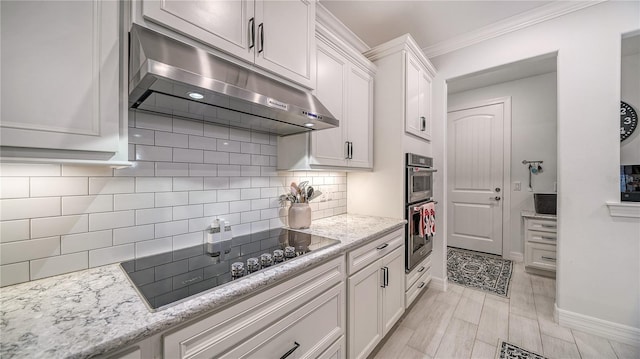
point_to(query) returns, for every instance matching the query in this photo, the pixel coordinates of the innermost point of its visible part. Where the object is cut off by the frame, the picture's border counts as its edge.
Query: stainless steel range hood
(171, 77)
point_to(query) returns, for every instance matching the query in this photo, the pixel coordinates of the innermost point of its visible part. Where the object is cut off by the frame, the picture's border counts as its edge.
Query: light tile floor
(466, 323)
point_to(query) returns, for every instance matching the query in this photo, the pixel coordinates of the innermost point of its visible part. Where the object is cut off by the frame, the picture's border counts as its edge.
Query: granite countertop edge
(125, 319)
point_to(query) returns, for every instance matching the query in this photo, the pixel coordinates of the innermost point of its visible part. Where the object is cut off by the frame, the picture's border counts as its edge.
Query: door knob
(497, 198)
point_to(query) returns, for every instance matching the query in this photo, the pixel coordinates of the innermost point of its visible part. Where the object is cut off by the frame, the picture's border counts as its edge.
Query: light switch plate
(517, 186)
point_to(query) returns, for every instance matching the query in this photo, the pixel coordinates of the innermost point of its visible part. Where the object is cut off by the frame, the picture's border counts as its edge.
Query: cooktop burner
(167, 278)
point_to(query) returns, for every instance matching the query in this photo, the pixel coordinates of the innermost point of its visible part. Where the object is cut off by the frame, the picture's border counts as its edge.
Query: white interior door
(475, 181)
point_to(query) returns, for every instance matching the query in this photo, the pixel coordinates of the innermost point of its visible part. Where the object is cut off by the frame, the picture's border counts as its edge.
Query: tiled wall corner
(56, 219)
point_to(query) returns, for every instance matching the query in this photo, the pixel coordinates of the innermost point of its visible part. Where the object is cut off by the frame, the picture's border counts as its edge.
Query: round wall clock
(628, 120)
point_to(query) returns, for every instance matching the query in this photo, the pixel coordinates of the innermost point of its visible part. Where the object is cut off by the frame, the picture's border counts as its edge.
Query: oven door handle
(422, 169)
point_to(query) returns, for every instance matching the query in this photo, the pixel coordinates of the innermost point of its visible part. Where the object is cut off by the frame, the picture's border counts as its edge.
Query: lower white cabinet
(302, 317)
(417, 280)
(540, 238)
(376, 298)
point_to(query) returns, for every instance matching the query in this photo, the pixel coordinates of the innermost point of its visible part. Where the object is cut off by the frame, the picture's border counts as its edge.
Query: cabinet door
(328, 146)
(413, 121)
(60, 79)
(285, 35)
(425, 106)
(221, 24)
(393, 293)
(365, 307)
(359, 118)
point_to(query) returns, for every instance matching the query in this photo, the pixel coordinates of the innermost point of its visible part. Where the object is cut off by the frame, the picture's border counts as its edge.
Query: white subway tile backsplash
(133, 234)
(48, 267)
(11, 231)
(53, 226)
(239, 159)
(199, 197)
(187, 212)
(28, 170)
(154, 184)
(155, 246)
(216, 157)
(187, 155)
(154, 215)
(169, 139)
(170, 169)
(109, 220)
(86, 241)
(202, 170)
(202, 143)
(152, 153)
(123, 202)
(14, 273)
(29, 208)
(138, 169)
(115, 254)
(14, 187)
(59, 186)
(29, 249)
(184, 174)
(168, 199)
(110, 185)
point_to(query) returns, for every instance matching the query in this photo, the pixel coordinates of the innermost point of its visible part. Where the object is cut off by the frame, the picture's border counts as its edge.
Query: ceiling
(429, 22)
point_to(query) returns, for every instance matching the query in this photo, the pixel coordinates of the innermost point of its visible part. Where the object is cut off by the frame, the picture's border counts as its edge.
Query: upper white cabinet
(345, 86)
(275, 35)
(418, 97)
(60, 79)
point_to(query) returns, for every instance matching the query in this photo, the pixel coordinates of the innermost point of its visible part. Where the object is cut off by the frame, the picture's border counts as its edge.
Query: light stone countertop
(531, 214)
(92, 312)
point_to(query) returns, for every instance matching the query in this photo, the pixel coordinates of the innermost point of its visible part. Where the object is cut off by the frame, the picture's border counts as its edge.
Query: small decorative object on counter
(214, 237)
(227, 235)
(299, 195)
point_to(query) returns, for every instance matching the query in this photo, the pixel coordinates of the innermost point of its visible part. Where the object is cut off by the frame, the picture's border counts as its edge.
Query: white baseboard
(516, 256)
(603, 328)
(439, 284)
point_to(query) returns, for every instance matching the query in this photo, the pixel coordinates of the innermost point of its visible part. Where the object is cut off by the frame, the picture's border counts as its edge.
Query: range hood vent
(171, 77)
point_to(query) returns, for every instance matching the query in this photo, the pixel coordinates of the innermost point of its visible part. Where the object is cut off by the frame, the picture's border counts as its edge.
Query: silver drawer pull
(421, 285)
(549, 238)
(295, 346)
(549, 258)
(548, 225)
(421, 269)
(383, 246)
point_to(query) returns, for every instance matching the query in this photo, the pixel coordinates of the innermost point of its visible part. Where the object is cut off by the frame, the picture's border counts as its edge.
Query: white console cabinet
(276, 35)
(376, 292)
(540, 238)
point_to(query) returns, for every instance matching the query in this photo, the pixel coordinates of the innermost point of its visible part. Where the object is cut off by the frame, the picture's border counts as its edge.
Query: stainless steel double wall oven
(419, 175)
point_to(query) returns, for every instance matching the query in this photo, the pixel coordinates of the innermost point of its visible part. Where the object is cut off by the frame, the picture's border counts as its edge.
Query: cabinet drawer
(542, 225)
(370, 252)
(224, 330)
(542, 237)
(305, 333)
(541, 256)
(337, 350)
(417, 272)
(417, 287)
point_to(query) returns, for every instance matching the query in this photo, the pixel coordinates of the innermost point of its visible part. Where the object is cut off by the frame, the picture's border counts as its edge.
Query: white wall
(599, 256)
(533, 137)
(630, 93)
(57, 219)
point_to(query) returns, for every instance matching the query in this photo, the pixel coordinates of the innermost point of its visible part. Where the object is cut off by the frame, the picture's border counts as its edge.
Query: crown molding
(404, 42)
(333, 24)
(335, 42)
(511, 24)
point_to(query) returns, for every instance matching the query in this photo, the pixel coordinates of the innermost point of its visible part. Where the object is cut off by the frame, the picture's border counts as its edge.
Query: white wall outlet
(517, 186)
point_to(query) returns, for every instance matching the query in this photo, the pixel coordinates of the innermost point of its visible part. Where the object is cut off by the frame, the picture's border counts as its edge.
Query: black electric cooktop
(168, 278)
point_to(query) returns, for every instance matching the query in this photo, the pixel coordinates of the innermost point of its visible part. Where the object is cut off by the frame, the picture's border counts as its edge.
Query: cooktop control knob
(278, 256)
(289, 252)
(237, 269)
(266, 260)
(253, 265)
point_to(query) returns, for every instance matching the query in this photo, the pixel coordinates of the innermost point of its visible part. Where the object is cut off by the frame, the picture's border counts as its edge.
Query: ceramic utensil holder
(299, 215)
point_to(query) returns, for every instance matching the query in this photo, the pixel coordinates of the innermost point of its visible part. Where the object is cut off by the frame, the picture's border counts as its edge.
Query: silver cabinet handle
(346, 150)
(350, 150)
(421, 285)
(548, 225)
(252, 32)
(423, 123)
(296, 345)
(386, 276)
(421, 269)
(261, 31)
(382, 246)
(549, 258)
(383, 278)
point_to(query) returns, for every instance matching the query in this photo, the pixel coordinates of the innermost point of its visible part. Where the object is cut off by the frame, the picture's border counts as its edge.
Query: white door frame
(506, 177)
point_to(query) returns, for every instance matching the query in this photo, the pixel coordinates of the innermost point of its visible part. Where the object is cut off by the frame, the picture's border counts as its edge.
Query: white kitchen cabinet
(275, 35)
(61, 80)
(305, 313)
(417, 280)
(345, 86)
(418, 119)
(375, 292)
(540, 239)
